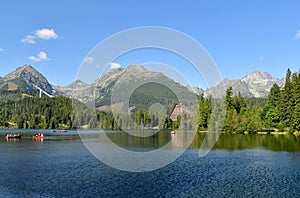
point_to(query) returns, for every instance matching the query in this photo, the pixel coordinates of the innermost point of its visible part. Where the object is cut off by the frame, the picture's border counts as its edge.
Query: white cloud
(1, 49)
(89, 60)
(46, 34)
(42, 56)
(114, 65)
(29, 39)
(298, 34)
(261, 58)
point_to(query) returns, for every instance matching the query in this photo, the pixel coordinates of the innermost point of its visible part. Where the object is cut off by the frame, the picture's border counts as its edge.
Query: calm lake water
(238, 166)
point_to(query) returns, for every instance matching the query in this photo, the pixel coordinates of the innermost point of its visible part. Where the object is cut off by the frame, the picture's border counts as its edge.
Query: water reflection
(178, 140)
(12, 139)
(289, 143)
(130, 142)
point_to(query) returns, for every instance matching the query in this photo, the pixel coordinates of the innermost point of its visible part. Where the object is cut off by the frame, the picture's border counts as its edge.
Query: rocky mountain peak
(21, 71)
(77, 83)
(110, 74)
(24, 78)
(136, 68)
(257, 77)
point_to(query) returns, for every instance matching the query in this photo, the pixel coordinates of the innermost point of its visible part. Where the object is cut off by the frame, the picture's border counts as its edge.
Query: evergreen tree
(285, 106)
(229, 100)
(270, 114)
(295, 102)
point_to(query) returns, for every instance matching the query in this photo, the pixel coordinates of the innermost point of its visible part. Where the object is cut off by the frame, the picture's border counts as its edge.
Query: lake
(238, 166)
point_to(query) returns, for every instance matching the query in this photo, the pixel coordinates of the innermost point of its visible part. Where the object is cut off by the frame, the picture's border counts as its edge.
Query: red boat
(38, 136)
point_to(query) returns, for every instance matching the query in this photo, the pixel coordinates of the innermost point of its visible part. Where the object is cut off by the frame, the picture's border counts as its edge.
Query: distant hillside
(151, 93)
(77, 89)
(155, 87)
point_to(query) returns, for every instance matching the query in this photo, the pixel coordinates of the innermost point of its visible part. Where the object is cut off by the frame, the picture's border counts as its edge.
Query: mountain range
(257, 84)
(26, 79)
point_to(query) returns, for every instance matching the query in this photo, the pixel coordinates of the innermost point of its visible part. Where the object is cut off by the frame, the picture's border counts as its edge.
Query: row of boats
(38, 136)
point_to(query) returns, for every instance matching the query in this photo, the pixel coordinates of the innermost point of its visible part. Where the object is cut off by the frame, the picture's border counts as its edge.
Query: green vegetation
(29, 112)
(34, 112)
(204, 112)
(150, 93)
(282, 110)
(107, 120)
(279, 112)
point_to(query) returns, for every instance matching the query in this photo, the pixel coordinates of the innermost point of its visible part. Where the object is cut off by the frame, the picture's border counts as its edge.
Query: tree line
(60, 112)
(280, 111)
(34, 112)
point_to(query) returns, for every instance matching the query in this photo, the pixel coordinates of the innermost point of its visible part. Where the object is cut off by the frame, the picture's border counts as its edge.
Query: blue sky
(241, 36)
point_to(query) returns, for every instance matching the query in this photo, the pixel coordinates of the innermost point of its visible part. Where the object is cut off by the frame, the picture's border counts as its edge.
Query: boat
(38, 136)
(63, 131)
(13, 136)
(54, 131)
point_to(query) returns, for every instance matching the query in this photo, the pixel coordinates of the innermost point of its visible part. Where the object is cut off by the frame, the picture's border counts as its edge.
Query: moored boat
(13, 136)
(38, 136)
(63, 131)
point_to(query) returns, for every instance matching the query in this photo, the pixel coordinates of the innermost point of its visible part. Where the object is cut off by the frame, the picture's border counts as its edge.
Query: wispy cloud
(114, 65)
(89, 60)
(28, 39)
(42, 56)
(44, 33)
(298, 34)
(261, 58)
(1, 49)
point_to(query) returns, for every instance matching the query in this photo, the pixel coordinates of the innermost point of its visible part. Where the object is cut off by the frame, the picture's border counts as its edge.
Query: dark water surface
(239, 166)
